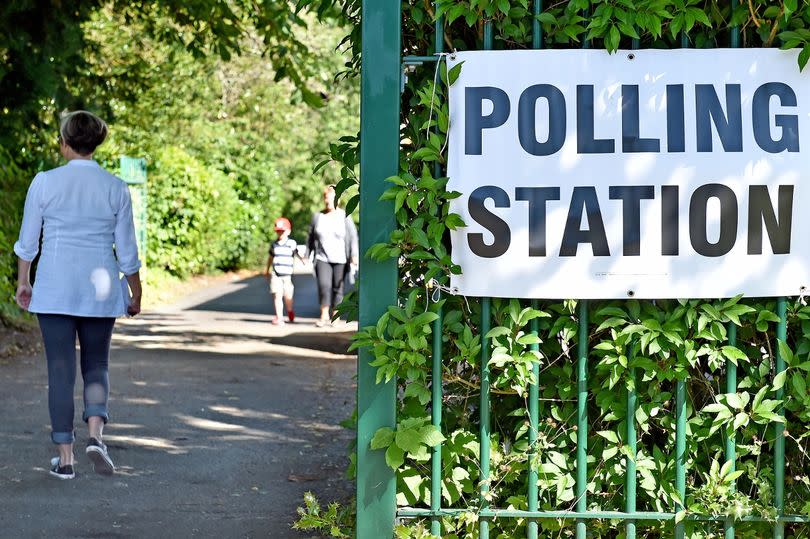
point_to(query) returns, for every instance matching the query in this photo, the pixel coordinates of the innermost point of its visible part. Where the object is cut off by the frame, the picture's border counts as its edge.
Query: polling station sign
(647, 174)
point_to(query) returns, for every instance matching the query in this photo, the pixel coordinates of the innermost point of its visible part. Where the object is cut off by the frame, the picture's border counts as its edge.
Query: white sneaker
(62, 472)
(97, 452)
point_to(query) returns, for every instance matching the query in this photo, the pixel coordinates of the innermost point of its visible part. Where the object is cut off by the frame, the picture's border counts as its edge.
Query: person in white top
(84, 215)
(332, 242)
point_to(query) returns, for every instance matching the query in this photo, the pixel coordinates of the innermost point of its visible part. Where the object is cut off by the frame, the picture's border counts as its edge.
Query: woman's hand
(134, 282)
(23, 296)
(134, 306)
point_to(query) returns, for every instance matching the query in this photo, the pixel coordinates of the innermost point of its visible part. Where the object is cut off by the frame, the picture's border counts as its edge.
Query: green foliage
(336, 521)
(229, 139)
(646, 346)
(190, 212)
(10, 213)
(43, 48)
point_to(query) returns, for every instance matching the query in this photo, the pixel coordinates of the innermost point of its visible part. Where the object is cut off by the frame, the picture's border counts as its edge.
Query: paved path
(220, 422)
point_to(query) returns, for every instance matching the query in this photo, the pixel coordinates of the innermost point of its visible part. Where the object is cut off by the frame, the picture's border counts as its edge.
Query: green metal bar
(418, 60)
(410, 512)
(582, 417)
(731, 441)
(731, 368)
(680, 450)
(582, 395)
(379, 158)
(779, 441)
(483, 524)
(680, 420)
(537, 28)
(436, 378)
(534, 425)
(438, 34)
(630, 468)
(436, 417)
(488, 36)
(486, 303)
(631, 479)
(534, 328)
(735, 30)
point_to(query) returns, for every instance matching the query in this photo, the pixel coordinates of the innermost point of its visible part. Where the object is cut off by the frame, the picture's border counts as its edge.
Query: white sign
(647, 174)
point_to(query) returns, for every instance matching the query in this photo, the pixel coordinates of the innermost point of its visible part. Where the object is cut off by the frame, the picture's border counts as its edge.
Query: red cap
(282, 223)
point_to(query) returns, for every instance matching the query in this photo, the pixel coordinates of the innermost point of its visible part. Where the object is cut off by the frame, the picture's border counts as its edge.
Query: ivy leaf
(423, 319)
(547, 18)
(785, 352)
(497, 332)
(609, 435)
(528, 339)
(528, 314)
(454, 73)
(733, 354)
(779, 380)
(454, 221)
(408, 440)
(382, 438)
(612, 39)
(352, 204)
(804, 56)
(419, 391)
(800, 386)
(394, 457)
(431, 436)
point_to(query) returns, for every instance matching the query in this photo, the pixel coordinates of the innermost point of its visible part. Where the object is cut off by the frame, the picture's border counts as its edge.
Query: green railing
(376, 505)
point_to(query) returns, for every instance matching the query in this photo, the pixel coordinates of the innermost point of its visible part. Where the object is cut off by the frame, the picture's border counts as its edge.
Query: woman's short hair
(83, 131)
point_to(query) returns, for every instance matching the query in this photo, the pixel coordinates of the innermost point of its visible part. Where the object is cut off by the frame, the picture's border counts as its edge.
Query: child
(280, 258)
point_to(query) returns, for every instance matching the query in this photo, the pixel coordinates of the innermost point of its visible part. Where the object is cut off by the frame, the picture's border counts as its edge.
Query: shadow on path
(219, 423)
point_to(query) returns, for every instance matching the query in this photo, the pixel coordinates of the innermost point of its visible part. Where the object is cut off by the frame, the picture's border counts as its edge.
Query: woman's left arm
(126, 247)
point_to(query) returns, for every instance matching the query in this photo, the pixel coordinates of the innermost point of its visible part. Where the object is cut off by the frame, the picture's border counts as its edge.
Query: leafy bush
(11, 204)
(191, 217)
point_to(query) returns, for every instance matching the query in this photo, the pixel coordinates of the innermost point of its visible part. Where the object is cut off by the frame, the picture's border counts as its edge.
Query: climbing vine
(644, 345)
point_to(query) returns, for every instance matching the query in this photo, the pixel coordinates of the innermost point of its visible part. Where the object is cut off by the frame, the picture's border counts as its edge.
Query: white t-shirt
(330, 230)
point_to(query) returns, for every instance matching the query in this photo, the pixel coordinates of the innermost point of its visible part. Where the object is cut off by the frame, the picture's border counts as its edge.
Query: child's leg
(277, 302)
(288, 297)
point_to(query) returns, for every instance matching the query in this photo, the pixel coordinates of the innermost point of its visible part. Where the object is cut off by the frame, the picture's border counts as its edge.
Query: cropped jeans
(59, 334)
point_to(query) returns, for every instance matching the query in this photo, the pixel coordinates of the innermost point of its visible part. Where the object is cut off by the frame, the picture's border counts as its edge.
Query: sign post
(133, 172)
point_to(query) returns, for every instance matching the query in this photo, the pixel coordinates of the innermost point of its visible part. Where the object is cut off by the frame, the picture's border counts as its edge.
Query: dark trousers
(330, 283)
(59, 334)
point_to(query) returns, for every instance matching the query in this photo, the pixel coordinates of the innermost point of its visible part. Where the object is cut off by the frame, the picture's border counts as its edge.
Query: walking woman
(84, 214)
(333, 241)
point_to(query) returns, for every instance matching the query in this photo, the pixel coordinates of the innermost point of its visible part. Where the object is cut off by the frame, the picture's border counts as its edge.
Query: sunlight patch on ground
(317, 425)
(139, 400)
(244, 433)
(244, 413)
(148, 442)
(126, 426)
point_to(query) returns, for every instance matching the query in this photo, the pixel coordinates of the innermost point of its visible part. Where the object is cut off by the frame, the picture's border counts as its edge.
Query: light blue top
(88, 237)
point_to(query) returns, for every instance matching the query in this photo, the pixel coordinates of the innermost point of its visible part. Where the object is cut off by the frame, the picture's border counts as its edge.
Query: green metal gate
(376, 484)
